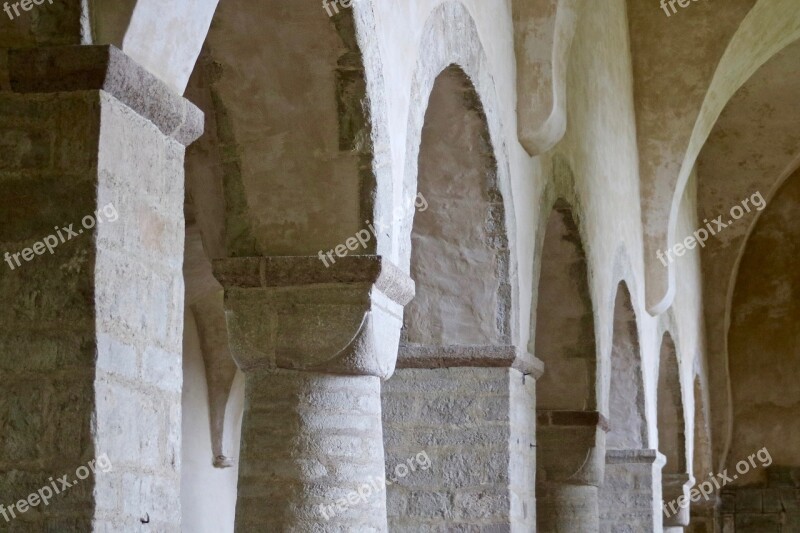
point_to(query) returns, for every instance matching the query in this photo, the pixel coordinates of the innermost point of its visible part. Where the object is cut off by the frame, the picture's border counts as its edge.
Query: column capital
(673, 487)
(106, 68)
(571, 446)
(294, 313)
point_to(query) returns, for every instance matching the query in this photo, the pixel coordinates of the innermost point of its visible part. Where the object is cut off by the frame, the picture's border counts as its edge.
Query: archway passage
(627, 495)
(456, 379)
(570, 430)
(672, 435)
(764, 358)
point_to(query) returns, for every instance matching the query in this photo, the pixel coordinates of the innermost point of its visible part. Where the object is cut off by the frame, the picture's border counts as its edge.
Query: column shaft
(476, 425)
(314, 344)
(312, 453)
(631, 491)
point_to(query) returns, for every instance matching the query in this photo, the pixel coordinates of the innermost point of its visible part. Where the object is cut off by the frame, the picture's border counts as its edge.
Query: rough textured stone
(106, 68)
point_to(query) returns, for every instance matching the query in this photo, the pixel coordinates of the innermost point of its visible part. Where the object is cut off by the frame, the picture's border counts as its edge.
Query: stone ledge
(644, 456)
(105, 68)
(450, 356)
(545, 417)
(299, 271)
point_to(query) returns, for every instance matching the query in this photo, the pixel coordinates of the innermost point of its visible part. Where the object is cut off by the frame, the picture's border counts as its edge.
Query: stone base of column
(312, 453)
(631, 491)
(476, 425)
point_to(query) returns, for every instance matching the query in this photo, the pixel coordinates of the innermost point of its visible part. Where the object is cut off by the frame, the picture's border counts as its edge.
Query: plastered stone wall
(208, 494)
(600, 185)
(296, 159)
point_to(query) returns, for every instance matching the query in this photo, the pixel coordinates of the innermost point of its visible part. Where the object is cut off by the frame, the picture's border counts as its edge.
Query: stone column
(470, 410)
(631, 491)
(675, 490)
(569, 469)
(91, 174)
(314, 344)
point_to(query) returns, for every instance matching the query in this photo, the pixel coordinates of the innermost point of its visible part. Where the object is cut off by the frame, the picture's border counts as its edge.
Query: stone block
(162, 369)
(771, 501)
(758, 523)
(748, 500)
(790, 499)
(480, 505)
(430, 504)
(22, 421)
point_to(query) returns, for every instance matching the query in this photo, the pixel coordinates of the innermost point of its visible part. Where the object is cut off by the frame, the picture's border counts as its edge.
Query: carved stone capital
(674, 486)
(294, 313)
(571, 447)
(105, 68)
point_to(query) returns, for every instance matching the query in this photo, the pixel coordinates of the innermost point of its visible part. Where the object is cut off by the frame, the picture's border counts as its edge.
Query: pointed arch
(564, 318)
(626, 410)
(570, 431)
(671, 420)
(459, 254)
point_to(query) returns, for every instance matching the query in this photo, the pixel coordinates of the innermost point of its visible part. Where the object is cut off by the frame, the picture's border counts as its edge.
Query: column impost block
(105, 68)
(453, 356)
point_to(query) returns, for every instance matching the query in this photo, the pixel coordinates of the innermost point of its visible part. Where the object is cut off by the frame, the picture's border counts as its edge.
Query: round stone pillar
(314, 344)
